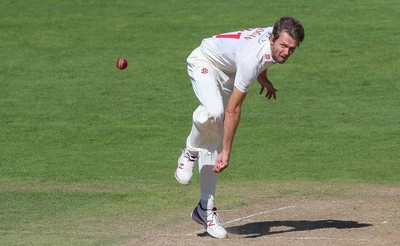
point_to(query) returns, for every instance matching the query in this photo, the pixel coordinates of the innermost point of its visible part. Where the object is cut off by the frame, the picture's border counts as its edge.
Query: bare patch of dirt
(350, 215)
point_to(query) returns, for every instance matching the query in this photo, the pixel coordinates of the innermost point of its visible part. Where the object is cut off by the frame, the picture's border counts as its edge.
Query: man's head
(286, 36)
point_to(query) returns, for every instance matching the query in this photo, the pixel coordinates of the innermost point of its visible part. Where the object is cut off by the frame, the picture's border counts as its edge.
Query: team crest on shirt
(204, 70)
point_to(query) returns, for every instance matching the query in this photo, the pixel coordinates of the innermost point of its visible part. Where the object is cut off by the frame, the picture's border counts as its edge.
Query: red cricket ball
(122, 63)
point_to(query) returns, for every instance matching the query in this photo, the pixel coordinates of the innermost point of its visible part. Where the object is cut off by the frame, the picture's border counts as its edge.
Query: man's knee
(202, 115)
(216, 114)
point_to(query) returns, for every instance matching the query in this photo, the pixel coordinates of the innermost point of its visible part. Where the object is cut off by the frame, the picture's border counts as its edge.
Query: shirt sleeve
(246, 73)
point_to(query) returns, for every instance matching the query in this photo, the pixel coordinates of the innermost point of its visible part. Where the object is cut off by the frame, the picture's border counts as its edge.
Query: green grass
(88, 151)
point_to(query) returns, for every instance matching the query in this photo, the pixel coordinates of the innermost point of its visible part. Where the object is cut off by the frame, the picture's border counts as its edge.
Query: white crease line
(260, 213)
(249, 216)
(319, 238)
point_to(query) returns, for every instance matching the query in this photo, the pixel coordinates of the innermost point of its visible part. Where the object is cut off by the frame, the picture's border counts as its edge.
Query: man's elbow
(232, 110)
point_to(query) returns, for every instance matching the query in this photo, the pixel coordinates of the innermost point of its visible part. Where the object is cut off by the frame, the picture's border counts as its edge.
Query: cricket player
(221, 70)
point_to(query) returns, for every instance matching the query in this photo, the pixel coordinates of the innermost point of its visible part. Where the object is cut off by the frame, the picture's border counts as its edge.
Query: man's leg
(205, 141)
(207, 127)
(205, 213)
(208, 179)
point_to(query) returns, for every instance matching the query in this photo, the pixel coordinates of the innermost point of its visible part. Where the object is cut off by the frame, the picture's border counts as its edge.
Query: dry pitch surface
(355, 215)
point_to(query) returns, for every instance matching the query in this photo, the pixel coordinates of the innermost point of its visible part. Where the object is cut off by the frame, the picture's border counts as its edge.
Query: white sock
(207, 204)
(192, 153)
(203, 205)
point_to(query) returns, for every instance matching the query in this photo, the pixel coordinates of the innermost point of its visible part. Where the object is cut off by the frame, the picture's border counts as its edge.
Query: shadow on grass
(258, 229)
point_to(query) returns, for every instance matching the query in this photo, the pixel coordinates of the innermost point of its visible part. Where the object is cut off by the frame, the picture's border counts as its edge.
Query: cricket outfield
(88, 151)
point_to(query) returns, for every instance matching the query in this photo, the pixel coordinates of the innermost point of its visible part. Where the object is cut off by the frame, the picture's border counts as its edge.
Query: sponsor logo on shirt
(256, 33)
(264, 38)
(244, 84)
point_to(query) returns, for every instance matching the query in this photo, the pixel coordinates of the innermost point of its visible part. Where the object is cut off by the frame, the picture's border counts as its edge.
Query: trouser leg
(207, 131)
(208, 179)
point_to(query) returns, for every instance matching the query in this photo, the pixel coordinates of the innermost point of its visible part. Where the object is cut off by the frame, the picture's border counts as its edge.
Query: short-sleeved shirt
(243, 54)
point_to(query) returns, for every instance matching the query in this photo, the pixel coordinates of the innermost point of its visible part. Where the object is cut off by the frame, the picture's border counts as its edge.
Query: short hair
(290, 25)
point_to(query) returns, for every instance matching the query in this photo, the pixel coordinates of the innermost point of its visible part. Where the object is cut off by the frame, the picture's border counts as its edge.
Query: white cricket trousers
(213, 89)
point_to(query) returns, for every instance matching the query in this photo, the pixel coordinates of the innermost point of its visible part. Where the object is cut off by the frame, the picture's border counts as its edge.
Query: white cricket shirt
(243, 54)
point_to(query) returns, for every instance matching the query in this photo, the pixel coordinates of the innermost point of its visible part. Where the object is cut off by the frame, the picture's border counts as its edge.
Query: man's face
(283, 47)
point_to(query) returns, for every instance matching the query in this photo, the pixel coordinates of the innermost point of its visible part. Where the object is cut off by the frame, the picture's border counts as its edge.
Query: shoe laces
(215, 218)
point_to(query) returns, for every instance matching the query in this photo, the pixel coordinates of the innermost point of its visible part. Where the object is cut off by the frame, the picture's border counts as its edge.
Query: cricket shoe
(184, 171)
(210, 220)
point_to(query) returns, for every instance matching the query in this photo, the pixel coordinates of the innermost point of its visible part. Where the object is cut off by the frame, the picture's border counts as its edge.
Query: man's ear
(271, 39)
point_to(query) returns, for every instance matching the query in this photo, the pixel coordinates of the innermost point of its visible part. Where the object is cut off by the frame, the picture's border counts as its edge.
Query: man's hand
(266, 83)
(271, 91)
(222, 162)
